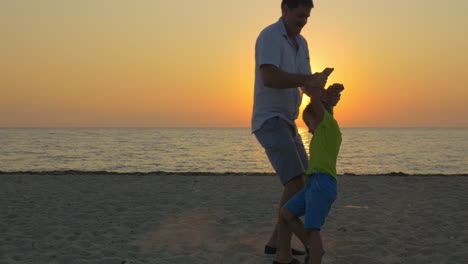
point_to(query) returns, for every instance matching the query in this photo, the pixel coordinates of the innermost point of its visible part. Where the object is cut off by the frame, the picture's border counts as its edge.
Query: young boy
(315, 200)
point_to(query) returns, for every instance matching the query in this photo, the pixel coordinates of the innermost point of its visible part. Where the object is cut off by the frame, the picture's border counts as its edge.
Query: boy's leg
(316, 251)
(320, 195)
(314, 202)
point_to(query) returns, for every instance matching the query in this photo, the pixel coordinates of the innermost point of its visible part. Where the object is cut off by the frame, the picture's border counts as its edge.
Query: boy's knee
(316, 242)
(286, 215)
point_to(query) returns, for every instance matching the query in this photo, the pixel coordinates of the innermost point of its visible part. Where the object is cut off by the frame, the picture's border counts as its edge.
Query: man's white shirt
(274, 47)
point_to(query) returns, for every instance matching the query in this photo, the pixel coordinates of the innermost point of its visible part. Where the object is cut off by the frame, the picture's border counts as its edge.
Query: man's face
(295, 18)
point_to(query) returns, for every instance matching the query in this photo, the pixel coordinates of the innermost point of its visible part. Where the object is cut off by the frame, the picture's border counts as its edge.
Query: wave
(189, 173)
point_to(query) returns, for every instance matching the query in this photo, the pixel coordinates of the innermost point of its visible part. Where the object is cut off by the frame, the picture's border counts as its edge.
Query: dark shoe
(293, 261)
(271, 251)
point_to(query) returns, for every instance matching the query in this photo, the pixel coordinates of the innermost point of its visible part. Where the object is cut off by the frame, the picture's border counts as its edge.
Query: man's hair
(296, 3)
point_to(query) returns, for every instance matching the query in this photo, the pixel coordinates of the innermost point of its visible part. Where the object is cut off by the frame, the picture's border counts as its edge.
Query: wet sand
(115, 218)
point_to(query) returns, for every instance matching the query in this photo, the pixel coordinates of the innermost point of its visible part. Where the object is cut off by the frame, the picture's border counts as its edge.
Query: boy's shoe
(271, 251)
(293, 261)
(307, 257)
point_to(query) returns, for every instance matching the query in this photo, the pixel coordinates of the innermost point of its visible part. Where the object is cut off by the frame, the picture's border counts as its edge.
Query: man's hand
(332, 95)
(317, 81)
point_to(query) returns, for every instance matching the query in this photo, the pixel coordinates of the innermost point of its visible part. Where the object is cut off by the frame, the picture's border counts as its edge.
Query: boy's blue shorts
(315, 200)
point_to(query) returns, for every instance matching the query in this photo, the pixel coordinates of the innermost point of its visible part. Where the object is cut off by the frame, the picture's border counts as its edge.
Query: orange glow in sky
(116, 63)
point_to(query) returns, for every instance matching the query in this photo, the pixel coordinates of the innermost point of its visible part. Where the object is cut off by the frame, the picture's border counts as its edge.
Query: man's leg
(289, 190)
(288, 223)
(310, 238)
(284, 148)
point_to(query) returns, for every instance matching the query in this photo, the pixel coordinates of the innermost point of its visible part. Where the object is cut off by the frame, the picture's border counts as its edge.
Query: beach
(170, 218)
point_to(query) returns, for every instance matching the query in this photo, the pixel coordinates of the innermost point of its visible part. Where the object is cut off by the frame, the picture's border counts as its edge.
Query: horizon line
(246, 127)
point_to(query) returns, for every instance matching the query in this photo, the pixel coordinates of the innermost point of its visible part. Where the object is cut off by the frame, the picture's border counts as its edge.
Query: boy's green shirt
(324, 146)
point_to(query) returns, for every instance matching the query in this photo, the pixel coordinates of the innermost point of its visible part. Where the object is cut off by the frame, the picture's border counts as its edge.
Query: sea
(224, 150)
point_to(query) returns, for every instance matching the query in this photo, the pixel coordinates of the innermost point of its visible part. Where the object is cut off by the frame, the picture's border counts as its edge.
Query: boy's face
(295, 18)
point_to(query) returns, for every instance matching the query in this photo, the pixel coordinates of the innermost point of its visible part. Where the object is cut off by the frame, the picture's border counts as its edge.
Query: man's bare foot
(269, 250)
(292, 261)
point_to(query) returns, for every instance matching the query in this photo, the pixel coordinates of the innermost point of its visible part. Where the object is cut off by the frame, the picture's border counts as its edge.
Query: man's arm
(273, 77)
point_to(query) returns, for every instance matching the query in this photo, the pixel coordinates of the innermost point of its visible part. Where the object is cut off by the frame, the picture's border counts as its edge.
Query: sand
(80, 218)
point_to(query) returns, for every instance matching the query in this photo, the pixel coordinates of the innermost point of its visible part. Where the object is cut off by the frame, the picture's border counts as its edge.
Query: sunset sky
(187, 63)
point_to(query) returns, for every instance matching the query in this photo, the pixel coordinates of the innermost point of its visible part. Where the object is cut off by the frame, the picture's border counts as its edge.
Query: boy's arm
(332, 96)
(317, 105)
(328, 107)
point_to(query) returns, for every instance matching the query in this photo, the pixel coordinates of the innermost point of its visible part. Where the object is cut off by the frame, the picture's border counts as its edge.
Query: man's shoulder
(270, 31)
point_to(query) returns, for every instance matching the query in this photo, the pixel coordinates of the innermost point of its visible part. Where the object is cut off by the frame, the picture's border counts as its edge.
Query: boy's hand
(332, 95)
(317, 81)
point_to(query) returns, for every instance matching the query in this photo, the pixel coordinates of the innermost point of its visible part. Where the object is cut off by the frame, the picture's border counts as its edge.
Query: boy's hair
(309, 110)
(296, 3)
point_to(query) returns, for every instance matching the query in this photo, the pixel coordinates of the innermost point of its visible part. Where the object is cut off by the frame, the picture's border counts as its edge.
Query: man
(282, 65)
